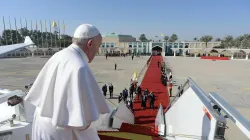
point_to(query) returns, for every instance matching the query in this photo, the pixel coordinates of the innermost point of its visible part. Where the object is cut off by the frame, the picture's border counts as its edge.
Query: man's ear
(90, 43)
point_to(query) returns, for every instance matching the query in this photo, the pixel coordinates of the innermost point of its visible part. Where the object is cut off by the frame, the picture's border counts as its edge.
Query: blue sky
(186, 18)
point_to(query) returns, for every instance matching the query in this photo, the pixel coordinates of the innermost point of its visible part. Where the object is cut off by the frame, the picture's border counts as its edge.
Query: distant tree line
(240, 42)
(41, 39)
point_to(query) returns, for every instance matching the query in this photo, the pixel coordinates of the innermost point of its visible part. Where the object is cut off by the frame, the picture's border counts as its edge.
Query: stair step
(138, 129)
(104, 137)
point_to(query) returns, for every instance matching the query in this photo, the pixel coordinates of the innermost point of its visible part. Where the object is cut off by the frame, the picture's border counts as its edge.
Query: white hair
(79, 41)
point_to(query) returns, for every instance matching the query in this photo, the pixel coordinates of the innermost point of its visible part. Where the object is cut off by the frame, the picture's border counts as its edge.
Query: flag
(54, 24)
(135, 76)
(55, 28)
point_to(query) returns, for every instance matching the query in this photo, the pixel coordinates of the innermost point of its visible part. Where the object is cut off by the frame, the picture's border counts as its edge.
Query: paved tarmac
(15, 73)
(230, 79)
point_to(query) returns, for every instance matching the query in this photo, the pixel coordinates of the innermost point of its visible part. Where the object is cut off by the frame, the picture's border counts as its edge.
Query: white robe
(67, 97)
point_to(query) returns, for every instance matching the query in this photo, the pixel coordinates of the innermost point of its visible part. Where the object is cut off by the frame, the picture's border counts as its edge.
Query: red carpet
(152, 81)
(145, 119)
(103, 137)
(215, 58)
(114, 135)
(138, 129)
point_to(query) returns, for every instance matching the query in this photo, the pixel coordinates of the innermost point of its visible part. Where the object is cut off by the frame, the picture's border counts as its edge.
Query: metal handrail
(179, 91)
(242, 123)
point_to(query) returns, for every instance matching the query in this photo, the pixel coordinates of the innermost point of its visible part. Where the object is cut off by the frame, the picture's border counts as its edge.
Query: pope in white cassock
(66, 94)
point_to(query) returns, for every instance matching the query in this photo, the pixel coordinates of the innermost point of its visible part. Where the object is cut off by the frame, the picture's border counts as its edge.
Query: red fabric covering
(152, 81)
(138, 129)
(146, 118)
(215, 58)
(149, 59)
(128, 128)
(103, 137)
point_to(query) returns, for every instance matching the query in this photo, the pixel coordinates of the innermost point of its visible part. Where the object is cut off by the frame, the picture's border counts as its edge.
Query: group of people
(105, 89)
(145, 97)
(135, 89)
(164, 78)
(125, 93)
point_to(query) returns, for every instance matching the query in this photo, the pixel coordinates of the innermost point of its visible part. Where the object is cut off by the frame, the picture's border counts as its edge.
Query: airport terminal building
(116, 43)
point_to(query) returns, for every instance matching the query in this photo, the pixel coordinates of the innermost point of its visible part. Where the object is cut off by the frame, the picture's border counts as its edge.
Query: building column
(174, 53)
(232, 56)
(247, 56)
(33, 53)
(105, 48)
(163, 47)
(137, 47)
(183, 52)
(148, 47)
(132, 51)
(195, 54)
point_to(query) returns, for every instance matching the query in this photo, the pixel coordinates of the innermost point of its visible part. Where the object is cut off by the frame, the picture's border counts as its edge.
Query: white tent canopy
(9, 48)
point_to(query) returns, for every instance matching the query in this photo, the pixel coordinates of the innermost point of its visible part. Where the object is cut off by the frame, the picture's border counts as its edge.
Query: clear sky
(186, 18)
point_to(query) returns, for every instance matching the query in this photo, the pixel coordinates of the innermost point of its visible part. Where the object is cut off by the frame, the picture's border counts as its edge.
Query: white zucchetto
(86, 31)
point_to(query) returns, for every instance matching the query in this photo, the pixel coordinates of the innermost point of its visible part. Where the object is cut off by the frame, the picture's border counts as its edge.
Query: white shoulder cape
(66, 91)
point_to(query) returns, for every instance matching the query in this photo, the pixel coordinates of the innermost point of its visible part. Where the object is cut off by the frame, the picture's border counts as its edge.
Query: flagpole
(50, 34)
(59, 34)
(26, 23)
(31, 25)
(46, 40)
(54, 25)
(37, 34)
(21, 23)
(6, 41)
(16, 32)
(41, 32)
(64, 34)
(0, 40)
(10, 31)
